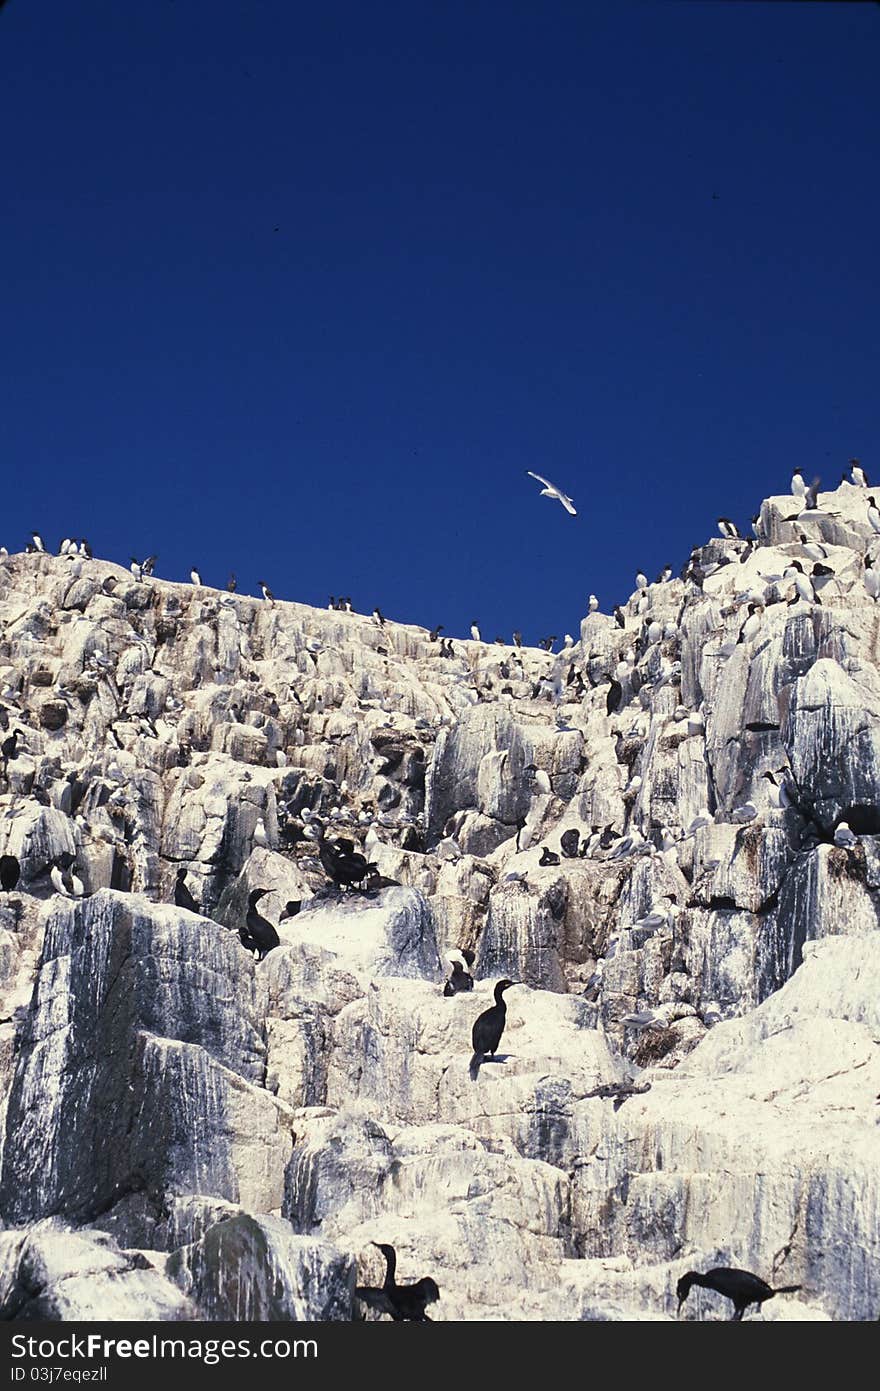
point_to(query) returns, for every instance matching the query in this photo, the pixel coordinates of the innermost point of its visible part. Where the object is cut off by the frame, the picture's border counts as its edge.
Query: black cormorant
(402, 1302)
(182, 896)
(261, 931)
(10, 869)
(548, 856)
(739, 1286)
(488, 1028)
(461, 979)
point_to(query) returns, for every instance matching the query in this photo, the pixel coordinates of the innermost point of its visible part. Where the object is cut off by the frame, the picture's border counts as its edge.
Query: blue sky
(302, 291)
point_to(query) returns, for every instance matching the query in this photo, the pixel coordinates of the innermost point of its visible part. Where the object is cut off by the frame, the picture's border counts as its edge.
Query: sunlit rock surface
(691, 1062)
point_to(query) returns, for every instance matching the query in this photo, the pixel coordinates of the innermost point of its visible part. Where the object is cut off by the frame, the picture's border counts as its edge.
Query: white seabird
(550, 490)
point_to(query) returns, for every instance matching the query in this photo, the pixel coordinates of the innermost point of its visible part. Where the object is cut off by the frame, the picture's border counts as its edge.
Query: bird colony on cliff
(345, 964)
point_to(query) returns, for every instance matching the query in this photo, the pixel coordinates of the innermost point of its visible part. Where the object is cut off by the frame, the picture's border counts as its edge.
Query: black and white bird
(873, 515)
(195, 576)
(37, 541)
(550, 490)
(641, 580)
(750, 629)
(728, 529)
(812, 548)
(802, 583)
(136, 569)
(378, 617)
(475, 632)
(665, 575)
(859, 477)
(266, 592)
(461, 978)
(872, 579)
(232, 583)
(798, 486)
(777, 787)
(148, 565)
(592, 603)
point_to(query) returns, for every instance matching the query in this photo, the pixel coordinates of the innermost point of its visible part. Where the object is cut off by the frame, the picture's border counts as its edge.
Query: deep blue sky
(302, 289)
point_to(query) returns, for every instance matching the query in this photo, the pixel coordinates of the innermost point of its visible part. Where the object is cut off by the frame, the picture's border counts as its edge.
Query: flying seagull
(549, 490)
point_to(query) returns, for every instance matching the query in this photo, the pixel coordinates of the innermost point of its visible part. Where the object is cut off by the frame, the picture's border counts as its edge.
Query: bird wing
(375, 1299)
(541, 480)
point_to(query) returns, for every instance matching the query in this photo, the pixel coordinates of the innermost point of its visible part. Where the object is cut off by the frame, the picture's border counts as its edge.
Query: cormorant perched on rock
(461, 979)
(739, 1286)
(548, 856)
(569, 842)
(261, 931)
(343, 864)
(182, 896)
(488, 1028)
(10, 869)
(9, 747)
(613, 698)
(402, 1302)
(232, 584)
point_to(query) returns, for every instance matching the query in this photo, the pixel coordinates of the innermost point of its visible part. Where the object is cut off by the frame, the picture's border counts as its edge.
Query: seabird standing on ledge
(728, 529)
(232, 584)
(475, 632)
(592, 603)
(872, 579)
(195, 576)
(266, 592)
(402, 1302)
(550, 490)
(739, 1286)
(859, 477)
(461, 979)
(182, 896)
(873, 514)
(488, 1028)
(798, 486)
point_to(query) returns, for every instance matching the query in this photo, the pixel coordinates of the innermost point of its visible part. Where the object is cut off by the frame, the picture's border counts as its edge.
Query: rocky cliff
(690, 1069)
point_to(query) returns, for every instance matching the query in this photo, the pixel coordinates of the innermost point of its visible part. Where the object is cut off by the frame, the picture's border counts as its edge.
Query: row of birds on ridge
(808, 494)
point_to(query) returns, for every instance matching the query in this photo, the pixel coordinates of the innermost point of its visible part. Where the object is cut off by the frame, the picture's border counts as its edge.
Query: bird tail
(788, 1289)
(474, 1068)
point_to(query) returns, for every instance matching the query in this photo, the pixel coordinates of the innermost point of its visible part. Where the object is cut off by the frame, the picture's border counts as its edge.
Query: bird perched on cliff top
(873, 515)
(475, 632)
(195, 576)
(641, 580)
(9, 747)
(488, 1028)
(550, 490)
(665, 575)
(461, 979)
(728, 529)
(136, 569)
(872, 579)
(266, 592)
(148, 565)
(739, 1286)
(798, 486)
(37, 541)
(548, 857)
(402, 1302)
(592, 604)
(182, 896)
(859, 477)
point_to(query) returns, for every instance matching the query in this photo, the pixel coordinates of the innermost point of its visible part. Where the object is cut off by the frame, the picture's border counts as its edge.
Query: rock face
(691, 1059)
